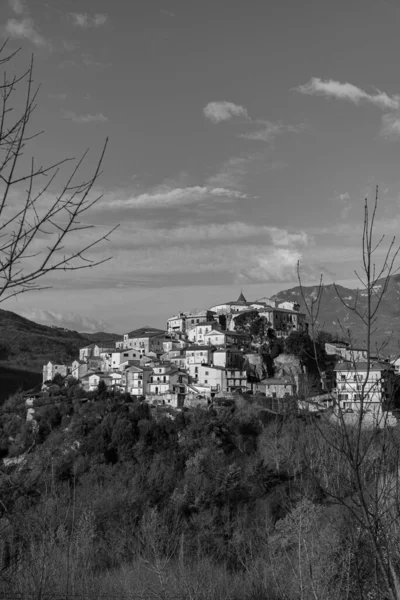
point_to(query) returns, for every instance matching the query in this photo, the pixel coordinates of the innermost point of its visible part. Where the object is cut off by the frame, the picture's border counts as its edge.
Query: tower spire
(241, 297)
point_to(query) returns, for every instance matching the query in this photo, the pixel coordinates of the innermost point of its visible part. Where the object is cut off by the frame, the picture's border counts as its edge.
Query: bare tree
(356, 462)
(39, 217)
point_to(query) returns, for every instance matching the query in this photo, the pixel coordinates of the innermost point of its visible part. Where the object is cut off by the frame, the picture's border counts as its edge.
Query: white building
(197, 334)
(361, 384)
(197, 355)
(135, 379)
(222, 380)
(145, 339)
(51, 369)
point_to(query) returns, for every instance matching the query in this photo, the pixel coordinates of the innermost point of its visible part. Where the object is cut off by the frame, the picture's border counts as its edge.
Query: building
(228, 358)
(145, 339)
(79, 368)
(90, 381)
(216, 337)
(51, 369)
(349, 353)
(112, 360)
(359, 384)
(195, 356)
(165, 379)
(196, 334)
(185, 321)
(222, 380)
(275, 388)
(135, 379)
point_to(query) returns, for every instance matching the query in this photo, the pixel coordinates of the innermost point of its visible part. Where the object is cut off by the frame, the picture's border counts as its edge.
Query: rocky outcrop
(287, 364)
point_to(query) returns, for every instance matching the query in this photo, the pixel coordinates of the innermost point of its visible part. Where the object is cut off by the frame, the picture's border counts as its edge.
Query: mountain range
(337, 314)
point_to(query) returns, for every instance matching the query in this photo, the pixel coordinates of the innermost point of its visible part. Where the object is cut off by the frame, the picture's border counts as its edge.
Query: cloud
(223, 111)
(85, 21)
(391, 126)
(347, 91)
(24, 29)
(146, 235)
(344, 196)
(165, 197)
(276, 265)
(270, 131)
(67, 320)
(87, 118)
(17, 6)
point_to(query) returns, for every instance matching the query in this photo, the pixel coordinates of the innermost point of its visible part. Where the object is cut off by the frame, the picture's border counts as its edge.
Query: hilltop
(335, 317)
(29, 344)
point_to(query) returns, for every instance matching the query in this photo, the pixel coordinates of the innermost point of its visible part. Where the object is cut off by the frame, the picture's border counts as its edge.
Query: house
(166, 379)
(195, 356)
(275, 388)
(145, 339)
(87, 351)
(216, 337)
(79, 368)
(95, 363)
(51, 369)
(231, 306)
(228, 358)
(135, 379)
(349, 353)
(90, 381)
(113, 359)
(221, 379)
(359, 384)
(175, 357)
(197, 333)
(185, 321)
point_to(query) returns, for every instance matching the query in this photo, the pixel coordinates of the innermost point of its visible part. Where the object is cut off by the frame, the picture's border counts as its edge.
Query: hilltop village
(231, 349)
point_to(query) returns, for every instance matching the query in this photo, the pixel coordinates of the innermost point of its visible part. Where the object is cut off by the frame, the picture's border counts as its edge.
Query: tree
(356, 464)
(40, 216)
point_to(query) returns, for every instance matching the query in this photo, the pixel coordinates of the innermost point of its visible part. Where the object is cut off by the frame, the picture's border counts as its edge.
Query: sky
(244, 138)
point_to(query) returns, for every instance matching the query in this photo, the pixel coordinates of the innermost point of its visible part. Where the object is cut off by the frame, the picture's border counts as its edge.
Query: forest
(113, 498)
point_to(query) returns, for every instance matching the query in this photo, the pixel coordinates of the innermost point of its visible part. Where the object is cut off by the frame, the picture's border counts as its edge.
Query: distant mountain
(335, 317)
(30, 345)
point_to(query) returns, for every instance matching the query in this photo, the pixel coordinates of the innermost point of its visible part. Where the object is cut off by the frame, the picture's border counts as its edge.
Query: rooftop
(347, 365)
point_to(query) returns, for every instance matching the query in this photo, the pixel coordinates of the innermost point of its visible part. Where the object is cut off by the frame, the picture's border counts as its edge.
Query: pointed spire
(241, 297)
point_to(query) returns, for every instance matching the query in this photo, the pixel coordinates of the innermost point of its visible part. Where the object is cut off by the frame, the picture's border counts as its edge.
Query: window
(343, 377)
(206, 381)
(206, 373)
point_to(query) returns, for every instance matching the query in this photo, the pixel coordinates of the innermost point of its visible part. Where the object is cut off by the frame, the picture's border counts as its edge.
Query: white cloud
(17, 6)
(86, 118)
(348, 91)
(391, 126)
(68, 320)
(24, 29)
(277, 264)
(344, 196)
(223, 111)
(85, 21)
(270, 131)
(165, 197)
(147, 235)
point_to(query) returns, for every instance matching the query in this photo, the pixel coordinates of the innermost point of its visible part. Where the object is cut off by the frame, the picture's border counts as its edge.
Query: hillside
(335, 317)
(29, 344)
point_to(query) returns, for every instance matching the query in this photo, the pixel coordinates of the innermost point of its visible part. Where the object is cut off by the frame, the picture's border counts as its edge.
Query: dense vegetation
(118, 499)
